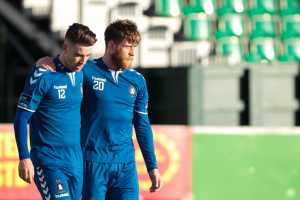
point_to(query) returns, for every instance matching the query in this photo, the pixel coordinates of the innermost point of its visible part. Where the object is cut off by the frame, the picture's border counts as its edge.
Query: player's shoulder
(38, 73)
(90, 62)
(89, 66)
(135, 75)
(38, 69)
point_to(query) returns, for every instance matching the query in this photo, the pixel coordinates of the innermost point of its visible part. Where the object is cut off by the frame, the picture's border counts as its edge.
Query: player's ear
(111, 45)
(65, 46)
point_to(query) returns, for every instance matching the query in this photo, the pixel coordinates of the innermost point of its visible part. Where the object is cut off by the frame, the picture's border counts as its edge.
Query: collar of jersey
(59, 66)
(102, 65)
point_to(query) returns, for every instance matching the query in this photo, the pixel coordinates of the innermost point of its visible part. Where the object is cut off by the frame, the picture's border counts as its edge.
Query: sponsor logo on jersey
(57, 87)
(99, 79)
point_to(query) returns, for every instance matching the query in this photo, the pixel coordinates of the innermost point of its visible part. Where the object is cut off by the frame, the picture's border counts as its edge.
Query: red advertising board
(173, 150)
(11, 186)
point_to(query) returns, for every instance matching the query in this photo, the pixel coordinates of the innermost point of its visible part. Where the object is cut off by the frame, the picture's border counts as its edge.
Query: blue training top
(55, 99)
(113, 102)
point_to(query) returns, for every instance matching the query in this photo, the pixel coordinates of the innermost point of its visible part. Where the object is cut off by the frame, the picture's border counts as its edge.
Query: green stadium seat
(230, 48)
(263, 6)
(232, 25)
(231, 6)
(166, 8)
(264, 26)
(291, 26)
(263, 49)
(291, 47)
(288, 7)
(198, 27)
(197, 6)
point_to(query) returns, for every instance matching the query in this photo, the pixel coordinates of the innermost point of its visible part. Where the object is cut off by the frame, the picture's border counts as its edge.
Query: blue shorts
(58, 183)
(110, 181)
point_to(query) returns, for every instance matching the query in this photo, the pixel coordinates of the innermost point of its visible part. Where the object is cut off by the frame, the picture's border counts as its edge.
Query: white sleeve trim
(143, 113)
(25, 108)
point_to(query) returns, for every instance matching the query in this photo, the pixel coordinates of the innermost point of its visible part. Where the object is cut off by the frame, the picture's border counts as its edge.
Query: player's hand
(47, 63)
(155, 180)
(26, 170)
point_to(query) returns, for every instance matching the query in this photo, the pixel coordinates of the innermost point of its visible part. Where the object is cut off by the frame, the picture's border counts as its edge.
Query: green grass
(243, 167)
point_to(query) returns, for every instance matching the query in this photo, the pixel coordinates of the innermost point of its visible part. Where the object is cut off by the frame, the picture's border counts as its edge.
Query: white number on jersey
(98, 85)
(61, 93)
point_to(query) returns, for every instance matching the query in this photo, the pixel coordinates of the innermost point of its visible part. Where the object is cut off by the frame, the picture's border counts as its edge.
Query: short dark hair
(80, 34)
(122, 30)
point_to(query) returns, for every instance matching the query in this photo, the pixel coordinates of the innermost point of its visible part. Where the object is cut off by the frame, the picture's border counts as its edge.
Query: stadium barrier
(209, 164)
(11, 186)
(173, 150)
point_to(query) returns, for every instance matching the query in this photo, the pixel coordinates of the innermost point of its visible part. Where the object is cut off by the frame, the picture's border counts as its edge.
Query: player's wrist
(24, 155)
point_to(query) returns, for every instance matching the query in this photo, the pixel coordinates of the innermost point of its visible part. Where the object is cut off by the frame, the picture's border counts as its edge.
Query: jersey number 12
(61, 94)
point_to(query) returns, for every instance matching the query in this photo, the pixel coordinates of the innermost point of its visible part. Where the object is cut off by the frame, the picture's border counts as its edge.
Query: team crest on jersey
(132, 91)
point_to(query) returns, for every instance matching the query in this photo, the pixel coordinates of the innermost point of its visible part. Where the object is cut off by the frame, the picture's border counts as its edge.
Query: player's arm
(145, 136)
(26, 170)
(34, 90)
(47, 63)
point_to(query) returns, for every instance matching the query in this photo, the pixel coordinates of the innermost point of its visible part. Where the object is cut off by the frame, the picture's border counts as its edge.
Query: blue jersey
(114, 102)
(55, 99)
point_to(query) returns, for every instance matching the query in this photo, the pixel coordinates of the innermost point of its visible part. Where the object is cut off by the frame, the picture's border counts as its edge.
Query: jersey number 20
(98, 85)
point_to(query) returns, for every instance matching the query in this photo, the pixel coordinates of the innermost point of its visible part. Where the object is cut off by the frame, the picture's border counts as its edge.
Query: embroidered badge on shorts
(60, 190)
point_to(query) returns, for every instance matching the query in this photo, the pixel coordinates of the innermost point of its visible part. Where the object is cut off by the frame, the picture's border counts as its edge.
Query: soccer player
(115, 99)
(50, 102)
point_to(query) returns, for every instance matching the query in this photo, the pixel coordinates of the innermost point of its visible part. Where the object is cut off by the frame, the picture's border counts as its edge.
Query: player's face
(123, 54)
(77, 55)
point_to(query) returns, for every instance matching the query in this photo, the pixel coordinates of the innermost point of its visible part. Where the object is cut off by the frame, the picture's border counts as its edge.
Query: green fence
(246, 164)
